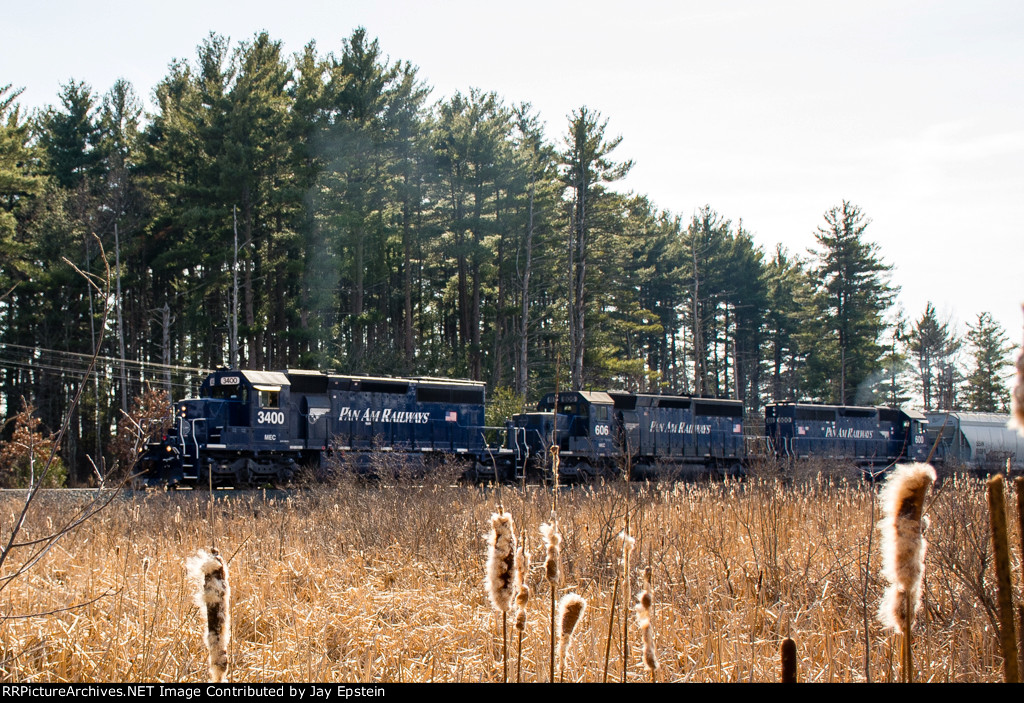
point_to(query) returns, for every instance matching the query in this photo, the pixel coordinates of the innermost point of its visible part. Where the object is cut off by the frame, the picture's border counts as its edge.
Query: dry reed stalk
(553, 574)
(522, 603)
(570, 610)
(903, 550)
(787, 655)
(382, 575)
(611, 628)
(644, 613)
(1004, 579)
(209, 573)
(627, 547)
(501, 574)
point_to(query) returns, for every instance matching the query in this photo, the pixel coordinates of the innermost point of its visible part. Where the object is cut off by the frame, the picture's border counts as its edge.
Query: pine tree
(787, 294)
(987, 387)
(934, 345)
(852, 294)
(355, 191)
(536, 204)
(703, 270)
(585, 168)
(471, 155)
(69, 136)
(257, 176)
(20, 181)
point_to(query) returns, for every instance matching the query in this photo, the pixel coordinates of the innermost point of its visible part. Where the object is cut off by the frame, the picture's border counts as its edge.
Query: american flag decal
(737, 428)
(452, 416)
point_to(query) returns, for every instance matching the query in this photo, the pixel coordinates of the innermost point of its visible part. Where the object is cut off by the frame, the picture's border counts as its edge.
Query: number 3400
(270, 417)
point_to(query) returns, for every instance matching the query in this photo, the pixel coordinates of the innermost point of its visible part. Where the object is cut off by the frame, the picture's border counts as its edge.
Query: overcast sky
(769, 112)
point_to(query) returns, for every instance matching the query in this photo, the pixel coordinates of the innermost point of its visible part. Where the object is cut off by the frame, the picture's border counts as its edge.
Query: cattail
(903, 548)
(570, 610)
(552, 562)
(501, 574)
(209, 573)
(552, 572)
(1017, 402)
(501, 567)
(522, 588)
(644, 613)
(787, 655)
(522, 602)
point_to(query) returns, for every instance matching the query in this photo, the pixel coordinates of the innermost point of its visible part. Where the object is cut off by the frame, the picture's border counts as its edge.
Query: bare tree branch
(41, 546)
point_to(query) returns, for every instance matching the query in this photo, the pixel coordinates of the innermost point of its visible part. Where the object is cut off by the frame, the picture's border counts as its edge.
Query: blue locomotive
(252, 427)
(866, 436)
(608, 432)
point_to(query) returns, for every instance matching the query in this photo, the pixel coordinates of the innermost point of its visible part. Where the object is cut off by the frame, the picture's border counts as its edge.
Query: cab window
(269, 398)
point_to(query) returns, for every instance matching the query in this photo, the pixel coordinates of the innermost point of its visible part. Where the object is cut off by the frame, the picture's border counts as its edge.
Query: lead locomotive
(252, 427)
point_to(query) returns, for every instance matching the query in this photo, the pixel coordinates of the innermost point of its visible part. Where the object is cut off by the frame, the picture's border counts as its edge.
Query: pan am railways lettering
(400, 417)
(845, 433)
(679, 428)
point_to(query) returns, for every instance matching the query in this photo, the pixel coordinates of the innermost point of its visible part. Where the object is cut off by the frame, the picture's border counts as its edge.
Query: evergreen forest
(324, 210)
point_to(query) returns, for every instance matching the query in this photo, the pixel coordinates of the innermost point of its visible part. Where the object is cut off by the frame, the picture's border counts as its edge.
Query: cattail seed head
(903, 543)
(628, 542)
(209, 574)
(644, 613)
(1017, 401)
(552, 562)
(570, 611)
(646, 600)
(522, 601)
(522, 588)
(501, 569)
(787, 653)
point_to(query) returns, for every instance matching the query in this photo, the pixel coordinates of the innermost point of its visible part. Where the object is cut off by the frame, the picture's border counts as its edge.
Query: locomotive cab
(584, 431)
(253, 399)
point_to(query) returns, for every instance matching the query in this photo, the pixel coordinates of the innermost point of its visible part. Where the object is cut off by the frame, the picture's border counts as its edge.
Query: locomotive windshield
(573, 409)
(239, 393)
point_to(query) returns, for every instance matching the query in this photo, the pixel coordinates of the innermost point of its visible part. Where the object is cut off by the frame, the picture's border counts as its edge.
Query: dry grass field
(371, 583)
